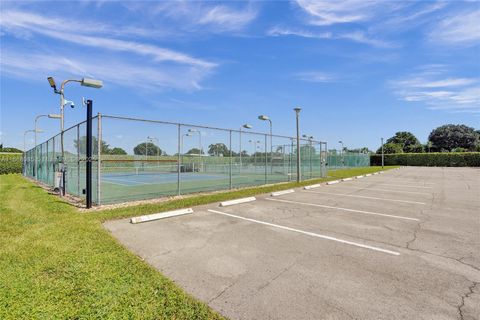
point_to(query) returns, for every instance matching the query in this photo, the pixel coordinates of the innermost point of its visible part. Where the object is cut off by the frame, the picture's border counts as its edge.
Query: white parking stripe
(364, 197)
(343, 209)
(395, 185)
(387, 190)
(312, 234)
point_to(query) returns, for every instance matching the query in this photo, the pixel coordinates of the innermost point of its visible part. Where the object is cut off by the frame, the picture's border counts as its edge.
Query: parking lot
(404, 244)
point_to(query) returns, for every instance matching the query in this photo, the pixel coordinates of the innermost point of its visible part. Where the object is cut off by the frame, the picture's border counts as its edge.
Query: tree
(195, 151)
(218, 149)
(147, 148)
(407, 141)
(10, 150)
(449, 137)
(390, 148)
(117, 151)
(81, 144)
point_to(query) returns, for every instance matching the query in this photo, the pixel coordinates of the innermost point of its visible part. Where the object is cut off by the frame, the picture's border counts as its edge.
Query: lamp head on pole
(92, 83)
(297, 109)
(263, 117)
(247, 126)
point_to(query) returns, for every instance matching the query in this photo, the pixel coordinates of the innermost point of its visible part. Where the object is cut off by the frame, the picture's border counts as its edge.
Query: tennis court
(398, 245)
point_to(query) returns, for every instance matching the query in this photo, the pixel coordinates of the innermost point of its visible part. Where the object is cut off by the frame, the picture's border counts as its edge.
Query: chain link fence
(136, 159)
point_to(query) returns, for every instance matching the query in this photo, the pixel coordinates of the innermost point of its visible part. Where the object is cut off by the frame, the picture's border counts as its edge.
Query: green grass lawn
(58, 263)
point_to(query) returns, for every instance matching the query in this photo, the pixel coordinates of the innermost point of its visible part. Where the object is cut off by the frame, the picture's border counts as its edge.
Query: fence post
(266, 160)
(178, 159)
(78, 160)
(89, 155)
(99, 159)
(230, 147)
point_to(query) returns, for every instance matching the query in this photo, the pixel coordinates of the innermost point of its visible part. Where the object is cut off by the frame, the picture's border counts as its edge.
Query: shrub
(10, 163)
(446, 159)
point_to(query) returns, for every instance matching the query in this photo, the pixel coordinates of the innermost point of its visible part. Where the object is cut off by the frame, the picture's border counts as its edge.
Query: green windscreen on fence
(136, 159)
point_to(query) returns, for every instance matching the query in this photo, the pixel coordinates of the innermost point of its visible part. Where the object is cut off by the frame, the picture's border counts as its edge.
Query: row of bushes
(10, 163)
(446, 159)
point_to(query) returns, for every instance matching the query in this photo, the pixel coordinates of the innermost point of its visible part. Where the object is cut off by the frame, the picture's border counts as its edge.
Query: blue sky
(360, 70)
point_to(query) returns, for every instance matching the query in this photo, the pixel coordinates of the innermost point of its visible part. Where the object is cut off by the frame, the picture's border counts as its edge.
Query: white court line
(312, 234)
(387, 190)
(131, 182)
(344, 209)
(365, 197)
(395, 185)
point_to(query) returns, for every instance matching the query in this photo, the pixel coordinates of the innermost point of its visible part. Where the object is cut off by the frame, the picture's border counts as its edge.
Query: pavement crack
(276, 276)
(471, 289)
(223, 291)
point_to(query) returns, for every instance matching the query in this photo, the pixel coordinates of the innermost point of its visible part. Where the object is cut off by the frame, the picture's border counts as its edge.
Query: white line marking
(132, 182)
(161, 215)
(237, 201)
(365, 197)
(344, 209)
(312, 234)
(279, 193)
(387, 190)
(399, 185)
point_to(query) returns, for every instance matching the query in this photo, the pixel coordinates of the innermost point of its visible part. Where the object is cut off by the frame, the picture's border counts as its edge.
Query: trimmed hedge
(444, 159)
(10, 163)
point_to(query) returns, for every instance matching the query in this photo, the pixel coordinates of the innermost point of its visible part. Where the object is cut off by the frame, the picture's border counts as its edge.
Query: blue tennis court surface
(158, 178)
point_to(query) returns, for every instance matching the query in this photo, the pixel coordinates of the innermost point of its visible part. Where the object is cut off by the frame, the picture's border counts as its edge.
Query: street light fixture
(341, 153)
(297, 114)
(92, 83)
(266, 118)
(254, 152)
(158, 142)
(199, 139)
(181, 145)
(246, 126)
(50, 116)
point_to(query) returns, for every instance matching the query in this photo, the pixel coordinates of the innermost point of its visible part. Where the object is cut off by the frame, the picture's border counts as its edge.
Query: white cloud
(216, 18)
(460, 29)
(357, 36)
(149, 65)
(36, 66)
(439, 91)
(227, 18)
(327, 12)
(315, 76)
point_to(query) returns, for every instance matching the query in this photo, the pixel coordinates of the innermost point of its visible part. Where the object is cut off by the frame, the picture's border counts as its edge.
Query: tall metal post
(266, 160)
(297, 111)
(89, 155)
(78, 160)
(178, 159)
(230, 147)
(383, 157)
(99, 157)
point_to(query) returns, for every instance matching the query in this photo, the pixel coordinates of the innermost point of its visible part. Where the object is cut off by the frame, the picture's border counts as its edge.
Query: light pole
(25, 146)
(310, 138)
(158, 142)
(297, 114)
(341, 153)
(254, 152)
(266, 118)
(246, 126)
(92, 83)
(51, 116)
(199, 139)
(184, 135)
(382, 153)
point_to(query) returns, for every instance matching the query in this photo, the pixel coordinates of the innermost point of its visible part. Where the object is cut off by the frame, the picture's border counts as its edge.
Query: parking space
(400, 245)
